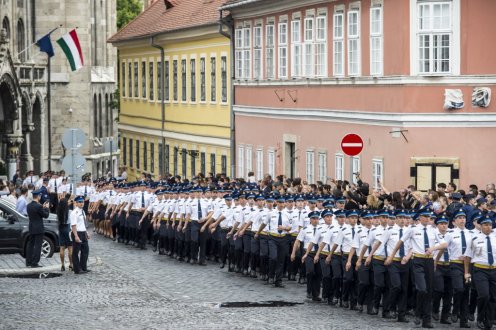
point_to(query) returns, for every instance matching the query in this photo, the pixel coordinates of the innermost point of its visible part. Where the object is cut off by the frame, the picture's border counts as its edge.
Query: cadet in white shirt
(80, 237)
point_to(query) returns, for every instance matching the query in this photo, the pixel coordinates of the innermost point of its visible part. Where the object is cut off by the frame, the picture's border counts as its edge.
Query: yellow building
(196, 68)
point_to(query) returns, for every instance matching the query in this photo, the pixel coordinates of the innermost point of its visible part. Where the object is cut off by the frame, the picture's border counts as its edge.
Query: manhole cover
(249, 304)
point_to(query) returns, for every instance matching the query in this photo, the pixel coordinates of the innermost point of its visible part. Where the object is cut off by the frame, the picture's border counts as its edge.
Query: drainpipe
(162, 60)
(227, 22)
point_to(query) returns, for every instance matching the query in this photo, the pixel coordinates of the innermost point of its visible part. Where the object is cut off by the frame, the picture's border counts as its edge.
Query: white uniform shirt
(306, 235)
(78, 218)
(345, 238)
(360, 240)
(416, 236)
(272, 221)
(391, 236)
(375, 234)
(454, 240)
(478, 251)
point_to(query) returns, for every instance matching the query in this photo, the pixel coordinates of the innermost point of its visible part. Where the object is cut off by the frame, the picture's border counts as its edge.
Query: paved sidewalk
(15, 264)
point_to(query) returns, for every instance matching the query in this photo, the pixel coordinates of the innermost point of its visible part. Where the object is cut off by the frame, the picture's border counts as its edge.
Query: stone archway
(38, 136)
(9, 113)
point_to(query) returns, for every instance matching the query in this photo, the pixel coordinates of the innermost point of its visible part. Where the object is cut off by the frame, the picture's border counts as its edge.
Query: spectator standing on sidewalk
(64, 230)
(22, 203)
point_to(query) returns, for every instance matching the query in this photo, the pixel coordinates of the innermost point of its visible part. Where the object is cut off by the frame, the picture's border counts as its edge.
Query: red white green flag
(72, 49)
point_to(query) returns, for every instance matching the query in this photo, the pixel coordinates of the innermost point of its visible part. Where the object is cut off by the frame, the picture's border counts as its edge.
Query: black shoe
(86, 270)
(231, 269)
(154, 249)
(28, 265)
(272, 281)
(334, 301)
(144, 248)
(471, 317)
(388, 316)
(253, 274)
(193, 261)
(202, 263)
(71, 268)
(402, 319)
(36, 266)
(62, 268)
(346, 304)
(360, 308)
(435, 316)
(309, 295)
(355, 308)
(292, 277)
(374, 311)
(465, 326)
(480, 325)
(454, 318)
(417, 321)
(317, 299)
(427, 325)
(445, 320)
(222, 266)
(279, 285)
(245, 272)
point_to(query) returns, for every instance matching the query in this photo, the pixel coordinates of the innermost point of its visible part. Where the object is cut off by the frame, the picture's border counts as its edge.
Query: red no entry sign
(352, 144)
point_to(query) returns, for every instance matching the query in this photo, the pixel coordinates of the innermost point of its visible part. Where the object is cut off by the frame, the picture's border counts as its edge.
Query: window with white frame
(259, 174)
(192, 72)
(353, 43)
(271, 162)
(241, 161)
(308, 47)
(296, 48)
(338, 44)
(283, 50)
(355, 167)
(322, 167)
(339, 167)
(269, 51)
(435, 37)
(249, 160)
(183, 80)
(247, 52)
(310, 167)
(257, 52)
(203, 79)
(376, 39)
(377, 172)
(321, 45)
(238, 43)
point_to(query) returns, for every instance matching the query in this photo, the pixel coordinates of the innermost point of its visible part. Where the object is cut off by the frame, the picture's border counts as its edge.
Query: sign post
(352, 145)
(74, 163)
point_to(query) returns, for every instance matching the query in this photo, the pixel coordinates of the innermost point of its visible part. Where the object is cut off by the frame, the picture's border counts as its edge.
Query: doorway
(290, 159)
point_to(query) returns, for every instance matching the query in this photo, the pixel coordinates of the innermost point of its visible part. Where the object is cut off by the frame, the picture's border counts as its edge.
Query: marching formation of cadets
(391, 262)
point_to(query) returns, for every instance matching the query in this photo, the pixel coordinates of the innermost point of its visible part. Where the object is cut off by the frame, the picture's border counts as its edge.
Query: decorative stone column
(26, 159)
(13, 144)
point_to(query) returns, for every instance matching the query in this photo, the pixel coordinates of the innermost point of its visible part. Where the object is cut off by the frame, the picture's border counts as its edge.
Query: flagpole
(34, 43)
(49, 114)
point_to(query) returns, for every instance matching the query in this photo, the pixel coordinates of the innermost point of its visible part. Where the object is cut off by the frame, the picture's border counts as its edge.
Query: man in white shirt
(80, 237)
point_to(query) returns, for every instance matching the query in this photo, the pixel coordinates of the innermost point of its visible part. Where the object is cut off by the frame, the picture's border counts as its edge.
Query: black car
(14, 231)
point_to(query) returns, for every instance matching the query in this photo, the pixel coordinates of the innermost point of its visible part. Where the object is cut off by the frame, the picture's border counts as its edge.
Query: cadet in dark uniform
(36, 213)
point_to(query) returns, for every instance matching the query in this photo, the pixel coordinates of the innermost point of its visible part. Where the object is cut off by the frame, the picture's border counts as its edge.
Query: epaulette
(450, 231)
(373, 229)
(359, 231)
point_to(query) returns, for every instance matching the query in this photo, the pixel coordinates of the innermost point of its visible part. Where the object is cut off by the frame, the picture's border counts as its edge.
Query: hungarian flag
(72, 49)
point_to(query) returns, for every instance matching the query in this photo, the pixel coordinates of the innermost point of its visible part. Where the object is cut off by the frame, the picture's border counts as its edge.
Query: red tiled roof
(235, 3)
(156, 19)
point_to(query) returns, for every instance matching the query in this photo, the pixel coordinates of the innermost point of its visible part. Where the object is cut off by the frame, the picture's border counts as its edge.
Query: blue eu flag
(45, 45)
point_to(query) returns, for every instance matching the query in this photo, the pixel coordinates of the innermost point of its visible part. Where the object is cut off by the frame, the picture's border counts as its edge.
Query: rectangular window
(355, 167)
(175, 160)
(435, 37)
(238, 42)
(308, 47)
(283, 50)
(193, 165)
(167, 80)
(160, 159)
(223, 164)
(310, 167)
(143, 79)
(322, 167)
(257, 52)
(130, 80)
(259, 161)
(123, 79)
(339, 167)
(241, 162)
(223, 72)
(376, 37)
(138, 154)
(184, 164)
(131, 150)
(136, 81)
(152, 157)
(203, 164)
(296, 48)
(247, 53)
(321, 46)
(269, 51)
(213, 80)
(353, 43)
(124, 151)
(212, 164)
(145, 156)
(167, 161)
(249, 160)
(272, 163)
(183, 80)
(193, 79)
(174, 78)
(377, 172)
(338, 44)
(203, 86)
(160, 72)
(150, 87)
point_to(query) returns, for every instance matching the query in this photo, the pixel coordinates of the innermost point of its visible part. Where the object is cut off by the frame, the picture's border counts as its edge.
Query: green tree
(127, 10)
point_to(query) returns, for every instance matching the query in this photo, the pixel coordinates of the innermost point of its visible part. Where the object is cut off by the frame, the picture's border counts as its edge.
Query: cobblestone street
(136, 289)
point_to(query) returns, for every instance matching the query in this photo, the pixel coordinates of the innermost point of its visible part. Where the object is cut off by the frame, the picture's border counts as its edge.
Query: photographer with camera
(36, 213)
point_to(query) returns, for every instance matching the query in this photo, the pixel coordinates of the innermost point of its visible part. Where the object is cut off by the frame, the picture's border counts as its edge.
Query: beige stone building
(82, 99)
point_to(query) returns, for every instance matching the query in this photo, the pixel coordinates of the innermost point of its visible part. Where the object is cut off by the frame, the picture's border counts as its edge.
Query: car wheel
(47, 247)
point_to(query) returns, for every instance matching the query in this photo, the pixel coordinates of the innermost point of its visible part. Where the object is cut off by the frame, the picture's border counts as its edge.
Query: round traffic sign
(352, 144)
(73, 138)
(74, 165)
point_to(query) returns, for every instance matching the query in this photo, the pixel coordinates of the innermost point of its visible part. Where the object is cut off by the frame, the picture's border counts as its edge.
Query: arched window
(95, 116)
(6, 26)
(21, 40)
(99, 120)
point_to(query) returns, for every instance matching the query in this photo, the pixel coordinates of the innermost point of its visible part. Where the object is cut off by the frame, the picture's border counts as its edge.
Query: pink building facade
(400, 73)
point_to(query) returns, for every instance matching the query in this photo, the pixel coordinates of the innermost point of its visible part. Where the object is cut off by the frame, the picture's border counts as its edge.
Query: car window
(3, 215)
